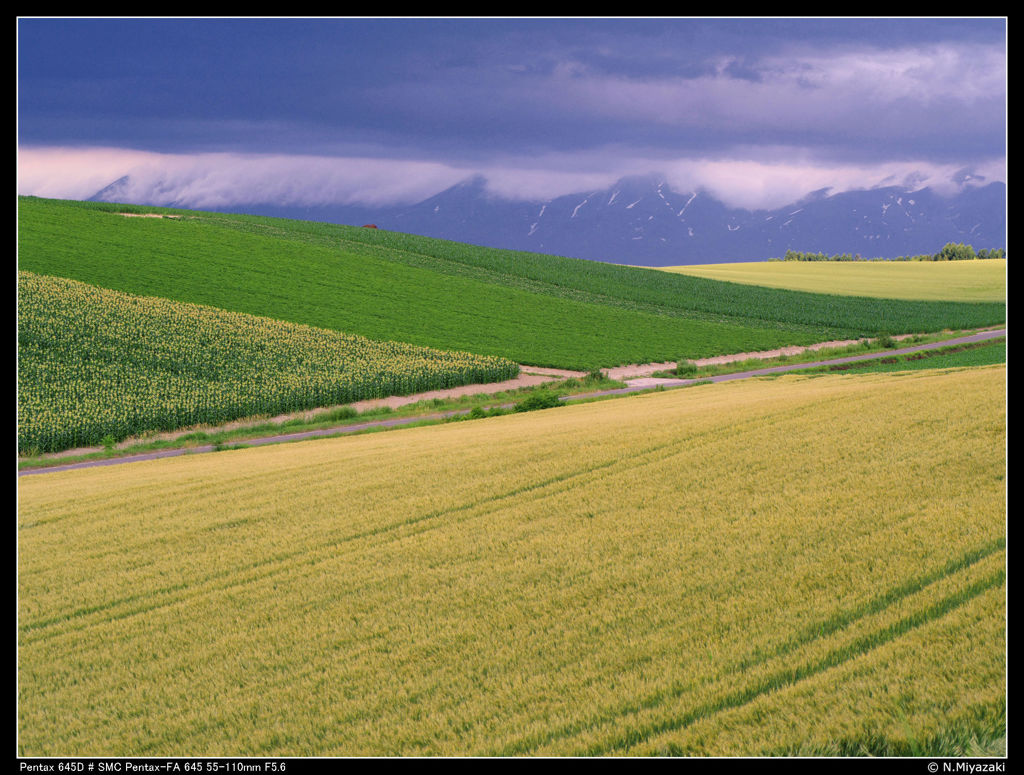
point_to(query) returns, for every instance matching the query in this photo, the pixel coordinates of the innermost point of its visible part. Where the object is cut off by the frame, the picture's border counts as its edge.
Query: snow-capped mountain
(643, 221)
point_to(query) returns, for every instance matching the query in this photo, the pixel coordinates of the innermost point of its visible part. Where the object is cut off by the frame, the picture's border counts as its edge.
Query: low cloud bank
(221, 180)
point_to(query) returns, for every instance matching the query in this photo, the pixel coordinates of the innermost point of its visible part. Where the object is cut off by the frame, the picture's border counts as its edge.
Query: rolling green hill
(532, 308)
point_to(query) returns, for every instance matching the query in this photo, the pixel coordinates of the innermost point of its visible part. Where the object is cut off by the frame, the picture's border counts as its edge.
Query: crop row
(94, 363)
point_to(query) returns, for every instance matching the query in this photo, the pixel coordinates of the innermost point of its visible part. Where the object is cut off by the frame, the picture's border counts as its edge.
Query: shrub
(476, 413)
(886, 341)
(342, 413)
(685, 368)
(542, 399)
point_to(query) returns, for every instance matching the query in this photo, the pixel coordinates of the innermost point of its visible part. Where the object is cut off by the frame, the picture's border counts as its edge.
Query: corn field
(94, 363)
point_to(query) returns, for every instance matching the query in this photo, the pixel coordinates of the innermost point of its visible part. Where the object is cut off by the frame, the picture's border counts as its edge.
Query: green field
(982, 281)
(95, 363)
(534, 309)
(798, 565)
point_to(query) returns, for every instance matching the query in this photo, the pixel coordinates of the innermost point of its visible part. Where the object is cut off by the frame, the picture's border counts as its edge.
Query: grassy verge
(955, 356)
(878, 345)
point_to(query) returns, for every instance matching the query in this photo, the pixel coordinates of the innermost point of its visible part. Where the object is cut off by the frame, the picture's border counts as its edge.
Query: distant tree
(993, 253)
(950, 252)
(955, 252)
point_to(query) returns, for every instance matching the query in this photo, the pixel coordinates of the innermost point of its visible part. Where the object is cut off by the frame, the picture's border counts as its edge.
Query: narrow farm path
(635, 381)
(625, 373)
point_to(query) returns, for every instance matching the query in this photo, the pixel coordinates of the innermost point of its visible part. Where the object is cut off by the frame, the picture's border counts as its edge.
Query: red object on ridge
(369, 226)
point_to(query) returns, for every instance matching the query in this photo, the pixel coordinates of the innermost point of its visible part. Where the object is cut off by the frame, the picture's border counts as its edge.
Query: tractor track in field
(637, 377)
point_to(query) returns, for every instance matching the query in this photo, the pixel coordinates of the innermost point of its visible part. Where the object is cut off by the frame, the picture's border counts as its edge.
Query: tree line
(950, 252)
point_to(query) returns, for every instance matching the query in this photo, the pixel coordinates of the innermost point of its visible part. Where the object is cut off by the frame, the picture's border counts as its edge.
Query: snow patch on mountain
(692, 197)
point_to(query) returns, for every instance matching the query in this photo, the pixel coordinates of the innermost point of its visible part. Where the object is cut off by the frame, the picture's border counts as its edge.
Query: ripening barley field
(93, 362)
(759, 567)
(982, 280)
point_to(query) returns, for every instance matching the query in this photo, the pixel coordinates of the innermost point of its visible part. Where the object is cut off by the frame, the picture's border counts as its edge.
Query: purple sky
(216, 112)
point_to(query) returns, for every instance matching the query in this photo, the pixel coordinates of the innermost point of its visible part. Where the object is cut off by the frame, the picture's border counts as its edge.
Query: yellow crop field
(752, 568)
(980, 280)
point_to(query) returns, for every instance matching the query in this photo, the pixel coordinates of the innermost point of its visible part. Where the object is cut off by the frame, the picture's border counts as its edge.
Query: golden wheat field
(924, 280)
(753, 568)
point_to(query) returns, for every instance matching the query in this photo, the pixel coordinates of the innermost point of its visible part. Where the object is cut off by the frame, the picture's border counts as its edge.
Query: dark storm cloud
(588, 97)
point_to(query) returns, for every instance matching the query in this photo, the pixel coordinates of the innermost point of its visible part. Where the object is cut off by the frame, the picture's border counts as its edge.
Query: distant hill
(643, 221)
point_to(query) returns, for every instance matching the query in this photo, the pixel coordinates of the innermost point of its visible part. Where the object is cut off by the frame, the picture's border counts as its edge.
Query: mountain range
(643, 221)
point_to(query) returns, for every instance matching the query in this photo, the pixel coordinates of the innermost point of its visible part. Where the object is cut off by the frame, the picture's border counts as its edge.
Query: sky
(220, 112)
